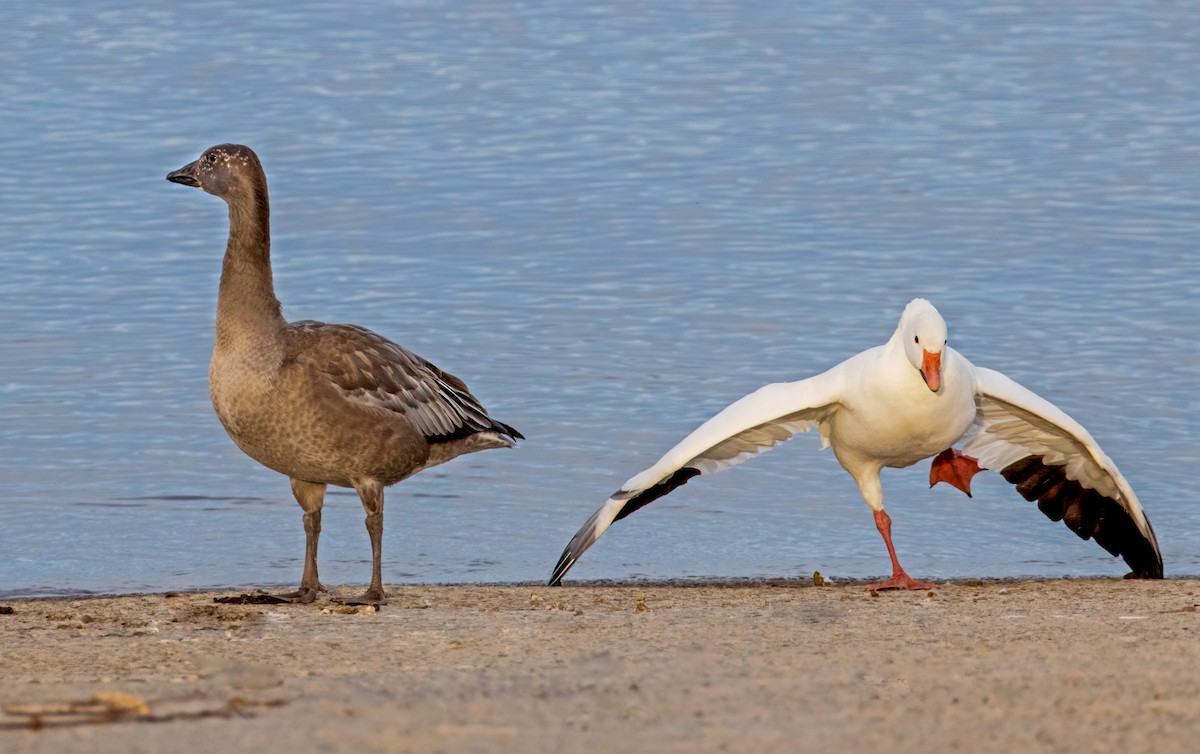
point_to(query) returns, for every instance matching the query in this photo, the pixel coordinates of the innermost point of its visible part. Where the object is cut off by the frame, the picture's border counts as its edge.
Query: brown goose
(323, 404)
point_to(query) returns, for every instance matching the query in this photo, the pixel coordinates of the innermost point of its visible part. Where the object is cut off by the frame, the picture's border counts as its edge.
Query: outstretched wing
(751, 425)
(1052, 459)
(375, 373)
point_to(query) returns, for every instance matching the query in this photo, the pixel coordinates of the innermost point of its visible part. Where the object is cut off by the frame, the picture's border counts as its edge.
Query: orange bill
(931, 370)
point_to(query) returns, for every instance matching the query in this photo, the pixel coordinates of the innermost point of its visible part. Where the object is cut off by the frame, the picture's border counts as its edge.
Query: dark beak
(184, 175)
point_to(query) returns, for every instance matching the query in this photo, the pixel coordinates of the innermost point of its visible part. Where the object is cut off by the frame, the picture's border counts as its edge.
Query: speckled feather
(321, 403)
(376, 373)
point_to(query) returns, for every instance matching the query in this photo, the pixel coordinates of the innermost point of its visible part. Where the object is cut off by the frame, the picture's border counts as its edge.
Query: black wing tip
(467, 430)
(1143, 558)
(509, 430)
(565, 561)
(1146, 574)
(1088, 513)
(631, 504)
(679, 478)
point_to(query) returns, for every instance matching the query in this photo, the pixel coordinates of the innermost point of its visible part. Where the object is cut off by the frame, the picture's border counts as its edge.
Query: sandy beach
(1082, 665)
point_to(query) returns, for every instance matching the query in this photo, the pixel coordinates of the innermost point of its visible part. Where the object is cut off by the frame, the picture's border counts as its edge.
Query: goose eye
(916, 339)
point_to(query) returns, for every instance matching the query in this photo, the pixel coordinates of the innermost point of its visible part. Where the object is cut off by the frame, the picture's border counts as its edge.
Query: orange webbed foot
(954, 468)
(900, 580)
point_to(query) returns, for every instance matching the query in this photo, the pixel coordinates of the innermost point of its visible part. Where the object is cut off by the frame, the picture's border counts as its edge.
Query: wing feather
(1053, 460)
(751, 425)
(377, 374)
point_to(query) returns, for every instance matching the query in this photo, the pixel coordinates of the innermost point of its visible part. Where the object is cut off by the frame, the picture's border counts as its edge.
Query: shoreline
(682, 582)
(680, 665)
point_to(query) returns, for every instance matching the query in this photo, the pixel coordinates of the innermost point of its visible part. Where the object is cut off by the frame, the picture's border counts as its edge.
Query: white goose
(893, 405)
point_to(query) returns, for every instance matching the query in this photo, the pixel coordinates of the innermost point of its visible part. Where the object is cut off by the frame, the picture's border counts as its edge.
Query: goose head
(226, 170)
(922, 332)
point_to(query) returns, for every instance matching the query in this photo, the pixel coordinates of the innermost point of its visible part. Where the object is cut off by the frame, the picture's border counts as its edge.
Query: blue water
(611, 220)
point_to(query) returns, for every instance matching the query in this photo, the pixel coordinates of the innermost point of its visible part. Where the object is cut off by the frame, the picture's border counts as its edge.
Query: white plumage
(893, 405)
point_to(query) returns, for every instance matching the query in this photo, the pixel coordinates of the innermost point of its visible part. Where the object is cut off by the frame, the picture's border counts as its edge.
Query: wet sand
(1082, 665)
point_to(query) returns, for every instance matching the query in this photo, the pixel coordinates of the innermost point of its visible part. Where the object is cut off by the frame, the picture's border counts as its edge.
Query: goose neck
(246, 302)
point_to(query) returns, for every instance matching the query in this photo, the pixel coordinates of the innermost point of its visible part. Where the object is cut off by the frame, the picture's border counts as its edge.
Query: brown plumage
(323, 404)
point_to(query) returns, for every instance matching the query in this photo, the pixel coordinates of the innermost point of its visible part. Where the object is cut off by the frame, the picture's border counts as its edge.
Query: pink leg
(899, 579)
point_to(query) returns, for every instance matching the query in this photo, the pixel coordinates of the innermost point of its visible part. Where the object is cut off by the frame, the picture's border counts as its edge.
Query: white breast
(891, 418)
